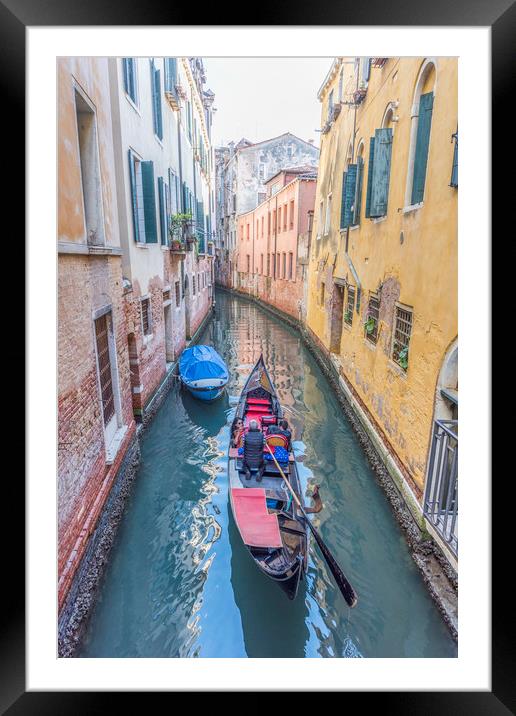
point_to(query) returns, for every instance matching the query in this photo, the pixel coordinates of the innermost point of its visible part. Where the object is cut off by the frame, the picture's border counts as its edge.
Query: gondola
(270, 523)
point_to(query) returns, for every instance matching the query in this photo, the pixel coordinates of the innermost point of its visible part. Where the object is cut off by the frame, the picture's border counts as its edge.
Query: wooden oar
(345, 587)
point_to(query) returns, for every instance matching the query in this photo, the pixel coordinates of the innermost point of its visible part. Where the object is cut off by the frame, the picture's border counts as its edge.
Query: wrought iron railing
(440, 505)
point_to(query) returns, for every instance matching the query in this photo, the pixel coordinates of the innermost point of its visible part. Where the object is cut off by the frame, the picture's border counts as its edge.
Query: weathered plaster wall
(408, 257)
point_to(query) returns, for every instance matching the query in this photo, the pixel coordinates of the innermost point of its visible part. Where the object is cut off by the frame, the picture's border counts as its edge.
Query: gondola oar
(345, 587)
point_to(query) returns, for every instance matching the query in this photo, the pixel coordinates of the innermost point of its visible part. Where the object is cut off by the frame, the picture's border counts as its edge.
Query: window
(351, 194)
(178, 293)
(426, 104)
(290, 264)
(102, 336)
(129, 70)
(156, 100)
(372, 317)
(402, 332)
(247, 231)
(421, 122)
(269, 223)
(274, 221)
(292, 214)
(257, 229)
(262, 225)
(350, 306)
(146, 316)
(193, 284)
(321, 294)
(278, 258)
(284, 265)
(268, 264)
(328, 216)
(143, 200)
(378, 175)
(248, 263)
(285, 217)
(261, 264)
(279, 220)
(90, 172)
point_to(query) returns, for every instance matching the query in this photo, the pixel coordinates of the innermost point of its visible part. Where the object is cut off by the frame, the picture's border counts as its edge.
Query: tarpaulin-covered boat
(203, 372)
(270, 523)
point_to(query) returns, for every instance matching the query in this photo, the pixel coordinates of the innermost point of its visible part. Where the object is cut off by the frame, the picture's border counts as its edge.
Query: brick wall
(85, 284)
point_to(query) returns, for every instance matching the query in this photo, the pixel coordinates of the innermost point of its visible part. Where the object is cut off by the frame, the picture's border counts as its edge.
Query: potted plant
(179, 229)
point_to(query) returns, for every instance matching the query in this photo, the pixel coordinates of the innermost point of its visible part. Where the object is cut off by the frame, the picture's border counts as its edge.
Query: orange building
(273, 241)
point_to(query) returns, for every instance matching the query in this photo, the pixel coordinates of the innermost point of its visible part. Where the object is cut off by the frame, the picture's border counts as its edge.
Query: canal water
(181, 584)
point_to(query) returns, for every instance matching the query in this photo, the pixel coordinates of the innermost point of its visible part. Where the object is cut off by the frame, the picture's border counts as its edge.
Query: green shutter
(132, 175)
(426, 103)
(149, 203)
(358, 192)
(348, 196)
(156, 101)
(370, 168)
(381, 172)
(162, 211)
(454, 181)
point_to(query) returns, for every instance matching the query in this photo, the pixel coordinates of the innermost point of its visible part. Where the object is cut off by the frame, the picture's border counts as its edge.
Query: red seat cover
(258, 401)
(256, 526)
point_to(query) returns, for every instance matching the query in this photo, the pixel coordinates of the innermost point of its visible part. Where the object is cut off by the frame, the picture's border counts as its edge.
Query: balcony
(440, 503)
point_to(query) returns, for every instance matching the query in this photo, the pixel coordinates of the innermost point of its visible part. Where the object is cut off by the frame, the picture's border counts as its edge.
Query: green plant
(403, 357)
(370, 324)
(179, 224)
(348, 317)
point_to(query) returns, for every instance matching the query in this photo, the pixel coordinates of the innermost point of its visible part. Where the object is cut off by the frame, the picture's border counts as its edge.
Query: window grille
(178, 294)
(371, 324)
(145, 306)
(104, 365)
(350, 306)
(166, 295)
(402, 333)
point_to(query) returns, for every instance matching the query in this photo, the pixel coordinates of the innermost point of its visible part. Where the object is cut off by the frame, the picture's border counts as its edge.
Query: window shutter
(454, 181)
(156, 101)
(370, 168)
(426, 103)
(381, 172)
(358, 192)
(162, 211)
(125, 65)
(132, 175)
(149, 203)
(348, 196)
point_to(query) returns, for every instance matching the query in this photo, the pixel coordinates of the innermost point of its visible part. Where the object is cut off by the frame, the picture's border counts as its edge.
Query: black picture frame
(15, 16)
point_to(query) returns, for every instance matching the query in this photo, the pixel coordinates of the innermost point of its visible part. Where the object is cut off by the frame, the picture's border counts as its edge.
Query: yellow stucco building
(382, 281)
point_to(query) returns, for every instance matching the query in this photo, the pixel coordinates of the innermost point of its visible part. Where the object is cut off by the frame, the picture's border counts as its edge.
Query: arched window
(421, 122)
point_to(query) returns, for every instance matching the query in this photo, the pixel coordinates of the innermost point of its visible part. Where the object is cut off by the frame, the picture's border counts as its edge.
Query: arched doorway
(440, 505)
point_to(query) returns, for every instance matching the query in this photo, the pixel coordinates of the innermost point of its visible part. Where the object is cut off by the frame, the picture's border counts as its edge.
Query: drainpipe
(348, 258)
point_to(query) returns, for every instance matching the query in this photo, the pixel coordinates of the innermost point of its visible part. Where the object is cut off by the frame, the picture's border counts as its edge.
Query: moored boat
(203, 372)
(269, 521)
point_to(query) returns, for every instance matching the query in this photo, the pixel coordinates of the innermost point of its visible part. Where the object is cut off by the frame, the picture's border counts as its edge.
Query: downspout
(348, 258)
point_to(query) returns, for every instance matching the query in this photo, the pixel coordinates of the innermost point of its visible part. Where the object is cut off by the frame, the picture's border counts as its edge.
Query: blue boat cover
(200, 362)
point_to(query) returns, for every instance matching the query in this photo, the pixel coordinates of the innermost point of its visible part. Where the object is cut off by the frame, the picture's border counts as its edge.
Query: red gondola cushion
(257, 527)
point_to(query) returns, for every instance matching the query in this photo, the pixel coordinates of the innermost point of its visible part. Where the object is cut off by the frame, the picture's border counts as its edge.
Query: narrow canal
(180, 582)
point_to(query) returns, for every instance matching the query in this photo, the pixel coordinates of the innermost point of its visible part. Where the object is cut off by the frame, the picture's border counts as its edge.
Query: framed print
(263, 256)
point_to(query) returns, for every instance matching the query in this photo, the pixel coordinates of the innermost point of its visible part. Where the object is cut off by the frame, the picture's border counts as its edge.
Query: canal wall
(86, 579)
(439, 574)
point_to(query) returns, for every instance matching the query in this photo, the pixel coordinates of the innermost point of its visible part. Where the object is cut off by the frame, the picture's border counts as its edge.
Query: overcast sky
(258, 98)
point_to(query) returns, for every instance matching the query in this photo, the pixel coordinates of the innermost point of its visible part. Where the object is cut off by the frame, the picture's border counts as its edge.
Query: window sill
(379, 219)
(411, 208)
(397, 369)
(147, 338)
(141, 245)
(133, 105)
(114, 446)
